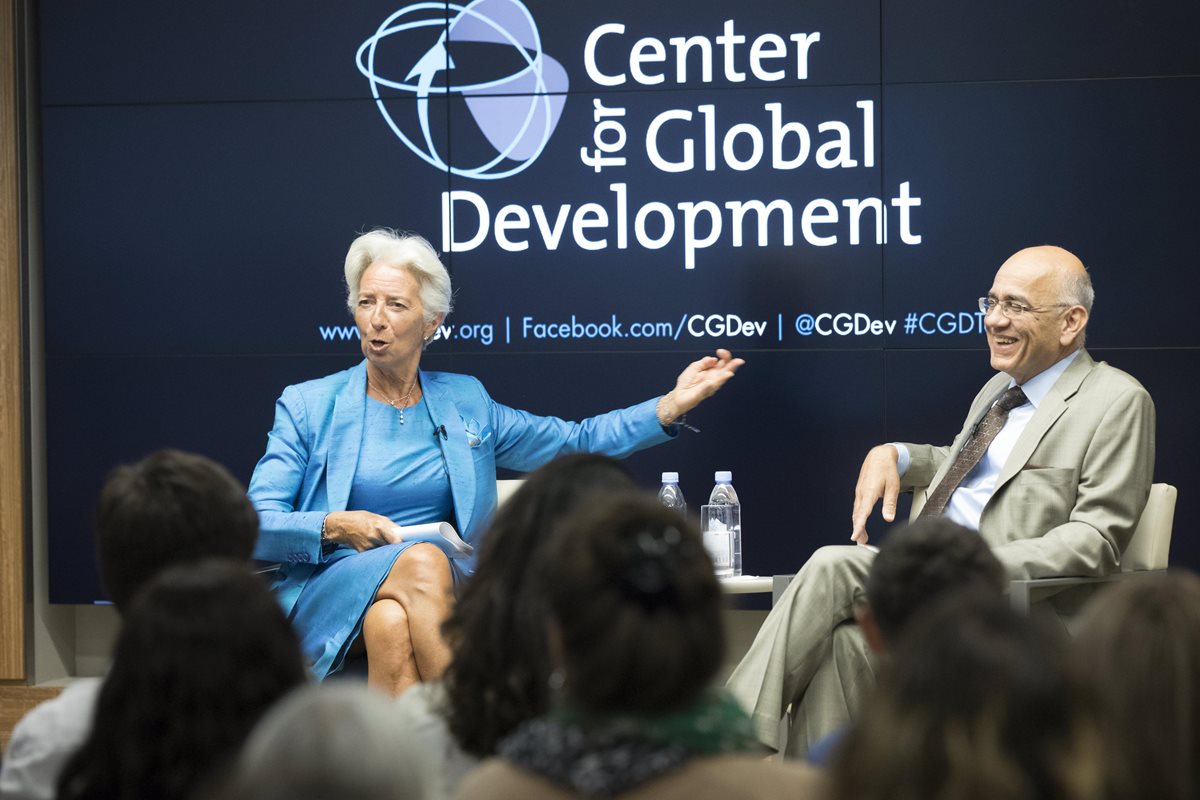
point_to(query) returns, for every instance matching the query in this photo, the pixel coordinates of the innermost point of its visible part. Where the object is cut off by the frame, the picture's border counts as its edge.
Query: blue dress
(400, 475)
(315, 461)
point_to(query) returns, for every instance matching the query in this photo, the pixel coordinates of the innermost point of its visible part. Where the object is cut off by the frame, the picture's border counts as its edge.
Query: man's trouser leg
(835, 693)
(795, 638)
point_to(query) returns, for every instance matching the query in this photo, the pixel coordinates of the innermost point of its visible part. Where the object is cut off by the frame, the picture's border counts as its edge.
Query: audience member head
(918, 564)
(497, 678)
(1140, 646)
(635, 608)
(978, 702)
(204, 651)
(331, 742)
(169, 508)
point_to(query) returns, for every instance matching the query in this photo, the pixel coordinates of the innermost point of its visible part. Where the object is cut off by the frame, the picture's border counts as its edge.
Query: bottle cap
(724, 477)
(670, 477)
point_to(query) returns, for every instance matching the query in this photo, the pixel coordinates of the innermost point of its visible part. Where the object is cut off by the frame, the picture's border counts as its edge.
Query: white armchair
(1147, 551)
(505, 488)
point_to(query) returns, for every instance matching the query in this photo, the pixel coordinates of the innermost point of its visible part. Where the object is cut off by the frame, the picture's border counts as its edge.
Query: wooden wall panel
(15, 702)
(12, 417)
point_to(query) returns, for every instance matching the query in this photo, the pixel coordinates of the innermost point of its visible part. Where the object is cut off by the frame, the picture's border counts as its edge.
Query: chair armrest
(1021, 593)
(779, 584)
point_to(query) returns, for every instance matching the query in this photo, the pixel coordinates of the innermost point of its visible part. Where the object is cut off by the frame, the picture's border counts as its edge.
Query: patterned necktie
(978, 443)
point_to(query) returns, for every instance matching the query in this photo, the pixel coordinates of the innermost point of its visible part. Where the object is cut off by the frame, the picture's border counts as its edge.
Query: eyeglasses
(1012, 309)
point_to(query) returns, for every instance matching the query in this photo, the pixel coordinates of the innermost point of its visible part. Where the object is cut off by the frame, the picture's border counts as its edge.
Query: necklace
(396, 404)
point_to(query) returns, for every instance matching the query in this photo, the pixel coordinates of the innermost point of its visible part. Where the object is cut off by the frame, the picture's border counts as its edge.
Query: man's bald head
(1074, 283)
(1053, 287)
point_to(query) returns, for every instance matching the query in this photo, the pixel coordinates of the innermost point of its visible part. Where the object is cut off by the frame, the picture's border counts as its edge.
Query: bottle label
(719, 544)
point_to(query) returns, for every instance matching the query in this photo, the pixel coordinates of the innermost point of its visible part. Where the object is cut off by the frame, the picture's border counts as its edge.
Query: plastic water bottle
(670, 495)
(723, 526)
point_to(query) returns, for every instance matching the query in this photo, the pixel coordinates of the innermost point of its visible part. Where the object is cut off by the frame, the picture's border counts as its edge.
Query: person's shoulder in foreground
(438, 760)
(44, 739)
(719, 778)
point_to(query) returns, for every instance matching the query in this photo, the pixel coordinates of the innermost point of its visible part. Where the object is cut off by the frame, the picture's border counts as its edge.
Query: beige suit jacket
(1071, 493)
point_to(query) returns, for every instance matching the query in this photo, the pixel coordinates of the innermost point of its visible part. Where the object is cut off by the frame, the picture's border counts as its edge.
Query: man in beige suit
(1057, 491)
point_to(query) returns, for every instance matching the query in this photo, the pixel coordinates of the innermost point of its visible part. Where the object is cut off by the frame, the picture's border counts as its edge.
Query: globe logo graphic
(515, 112)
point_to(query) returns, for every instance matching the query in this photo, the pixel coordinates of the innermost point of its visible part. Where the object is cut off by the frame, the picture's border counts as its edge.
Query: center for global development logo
(514, 112)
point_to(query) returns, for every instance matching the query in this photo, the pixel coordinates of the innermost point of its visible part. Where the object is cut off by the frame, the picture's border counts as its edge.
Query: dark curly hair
(919, 563)
(636, 605)
(204, 652)
(978, 702)
(497, 631)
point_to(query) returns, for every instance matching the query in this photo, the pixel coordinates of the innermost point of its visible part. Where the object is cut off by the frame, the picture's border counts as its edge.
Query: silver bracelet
(326, 545)
(681, 420)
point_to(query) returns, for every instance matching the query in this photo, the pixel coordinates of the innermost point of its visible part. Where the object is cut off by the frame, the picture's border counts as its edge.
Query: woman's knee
(420, 568)
(386, 637)
(425, 562)
(385, 616)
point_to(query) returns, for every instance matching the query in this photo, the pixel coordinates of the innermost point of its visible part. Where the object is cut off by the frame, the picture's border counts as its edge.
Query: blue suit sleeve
(525, 441)
(285, 534)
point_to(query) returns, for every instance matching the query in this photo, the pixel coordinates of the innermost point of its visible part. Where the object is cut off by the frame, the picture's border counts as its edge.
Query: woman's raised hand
(699, 380)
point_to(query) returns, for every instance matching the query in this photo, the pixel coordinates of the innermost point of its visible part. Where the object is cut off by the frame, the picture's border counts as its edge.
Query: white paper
(440, 533)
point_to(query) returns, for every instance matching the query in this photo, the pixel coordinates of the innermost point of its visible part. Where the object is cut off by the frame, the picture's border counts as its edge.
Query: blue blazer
(312, 452)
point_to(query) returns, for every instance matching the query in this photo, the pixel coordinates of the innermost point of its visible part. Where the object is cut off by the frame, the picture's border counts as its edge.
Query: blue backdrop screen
(824, 187)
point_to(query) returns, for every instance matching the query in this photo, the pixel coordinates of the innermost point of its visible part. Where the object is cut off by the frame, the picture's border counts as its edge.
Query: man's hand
(361, 530)
(878, 478)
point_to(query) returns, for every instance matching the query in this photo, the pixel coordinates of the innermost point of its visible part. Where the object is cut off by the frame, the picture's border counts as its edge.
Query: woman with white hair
(356, 454)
